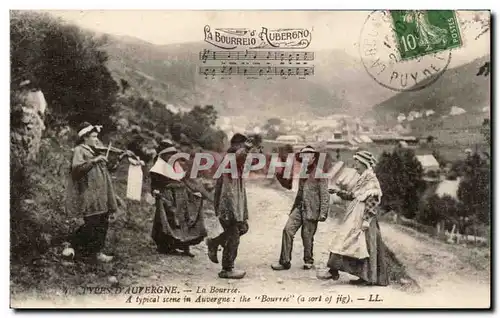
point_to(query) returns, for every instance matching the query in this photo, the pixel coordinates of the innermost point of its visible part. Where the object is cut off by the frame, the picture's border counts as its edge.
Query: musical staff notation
(256, 70)
(255, 56)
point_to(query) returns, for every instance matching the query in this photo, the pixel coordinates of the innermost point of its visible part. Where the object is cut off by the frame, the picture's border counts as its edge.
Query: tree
(484, 70)
(474, 189)
(272, 134)
(274, 121)
(197, 123)
(435, 209)
(67, 64)
(198, 126)
(206, 116)
(214, 140)
(400, 176)
(272, 128)
(486, 130)
(442, 161)
(458, 167)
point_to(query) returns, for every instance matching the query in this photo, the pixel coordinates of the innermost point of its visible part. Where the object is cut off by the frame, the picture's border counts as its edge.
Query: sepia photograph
(176, 159)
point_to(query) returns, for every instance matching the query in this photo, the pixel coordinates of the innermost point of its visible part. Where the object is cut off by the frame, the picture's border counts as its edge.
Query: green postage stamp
(420, 32)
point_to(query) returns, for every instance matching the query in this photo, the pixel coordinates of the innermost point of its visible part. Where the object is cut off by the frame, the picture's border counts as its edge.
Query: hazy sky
(331, 29)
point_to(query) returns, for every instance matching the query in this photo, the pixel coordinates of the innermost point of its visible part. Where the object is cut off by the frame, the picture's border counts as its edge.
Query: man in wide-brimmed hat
(310, 207)
(230, 203)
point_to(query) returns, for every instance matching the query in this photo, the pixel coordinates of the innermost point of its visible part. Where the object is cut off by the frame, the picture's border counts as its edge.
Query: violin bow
(107, 151)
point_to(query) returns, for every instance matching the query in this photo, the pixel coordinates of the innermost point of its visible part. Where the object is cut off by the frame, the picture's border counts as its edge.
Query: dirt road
(446, 281)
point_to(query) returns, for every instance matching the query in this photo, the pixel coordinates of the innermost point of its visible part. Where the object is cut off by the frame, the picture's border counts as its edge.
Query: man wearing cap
(310, 207)
(230, 203)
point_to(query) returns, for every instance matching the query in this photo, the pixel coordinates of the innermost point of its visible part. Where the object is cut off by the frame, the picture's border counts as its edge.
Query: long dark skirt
(372, 269)
(181, 225)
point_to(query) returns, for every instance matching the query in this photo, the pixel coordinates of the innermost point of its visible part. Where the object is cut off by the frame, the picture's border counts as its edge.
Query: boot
(308, 266)
(186, 252)
(335, 274)
(329, 274)
(212, 250)
(232, 274)
(281, 267)
(168, 251)
(359, 282)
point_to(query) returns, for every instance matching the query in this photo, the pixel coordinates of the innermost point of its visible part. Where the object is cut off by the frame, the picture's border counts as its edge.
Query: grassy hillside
(457, 87)
(168, 73)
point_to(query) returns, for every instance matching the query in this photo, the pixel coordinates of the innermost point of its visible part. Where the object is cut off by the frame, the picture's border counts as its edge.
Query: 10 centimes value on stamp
(407, 50)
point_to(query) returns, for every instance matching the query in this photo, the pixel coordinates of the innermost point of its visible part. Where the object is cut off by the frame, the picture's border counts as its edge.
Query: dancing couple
(356, 244)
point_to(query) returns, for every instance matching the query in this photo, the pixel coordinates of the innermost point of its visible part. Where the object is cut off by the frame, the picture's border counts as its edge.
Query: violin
(133, 158)
(104, 149)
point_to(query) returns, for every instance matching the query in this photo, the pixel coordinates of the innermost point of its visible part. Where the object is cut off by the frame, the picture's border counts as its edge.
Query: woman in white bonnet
(178, 221)
(356, 246)
(90, 195)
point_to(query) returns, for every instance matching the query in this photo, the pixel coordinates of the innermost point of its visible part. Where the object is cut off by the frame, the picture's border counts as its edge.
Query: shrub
(400, 176)
(67, 64)
(474, 189)
(434, 209)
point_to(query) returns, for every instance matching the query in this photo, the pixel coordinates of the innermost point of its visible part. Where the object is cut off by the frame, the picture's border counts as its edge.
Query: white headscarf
(162, 167)
(88, 129)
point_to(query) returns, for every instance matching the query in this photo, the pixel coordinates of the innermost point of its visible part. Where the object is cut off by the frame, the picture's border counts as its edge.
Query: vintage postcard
(250, 159)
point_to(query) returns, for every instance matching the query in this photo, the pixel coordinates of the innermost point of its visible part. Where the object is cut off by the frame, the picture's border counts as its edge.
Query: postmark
(381, 57)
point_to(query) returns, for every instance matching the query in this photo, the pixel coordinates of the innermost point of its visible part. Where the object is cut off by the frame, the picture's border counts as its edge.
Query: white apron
(349, 238)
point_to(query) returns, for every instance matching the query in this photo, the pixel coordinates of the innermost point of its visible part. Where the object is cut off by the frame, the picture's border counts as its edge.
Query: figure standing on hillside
(357, 246)
(90, 194)
(135, 143)
(311, 206)
(178, 222)
(230, 203)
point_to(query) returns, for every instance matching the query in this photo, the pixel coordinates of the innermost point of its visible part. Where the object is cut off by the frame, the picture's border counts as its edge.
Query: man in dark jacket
(310, 207)
(230, 203)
